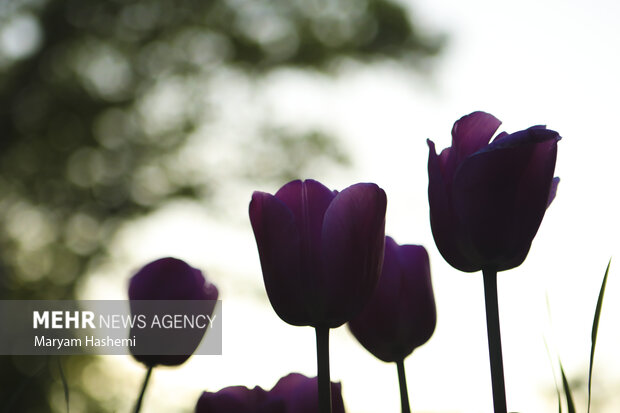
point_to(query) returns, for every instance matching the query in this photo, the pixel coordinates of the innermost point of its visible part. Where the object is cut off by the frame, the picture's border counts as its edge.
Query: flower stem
(495, 341)
(402, 381)
(146, 382)
(322, 360)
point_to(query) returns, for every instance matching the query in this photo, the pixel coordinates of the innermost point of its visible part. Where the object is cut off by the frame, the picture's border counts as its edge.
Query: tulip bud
(299, 394)
(294, 393)
(321, 251)
(239, 399)
(400, 315)
(487, 200)
(171, 279)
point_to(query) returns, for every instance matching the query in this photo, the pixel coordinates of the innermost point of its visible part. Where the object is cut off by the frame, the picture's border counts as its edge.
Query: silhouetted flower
(169, 279)
(487, 200)
(400, 315)
(299, 394)
(239, 399)
(294, 393)
(320, 251)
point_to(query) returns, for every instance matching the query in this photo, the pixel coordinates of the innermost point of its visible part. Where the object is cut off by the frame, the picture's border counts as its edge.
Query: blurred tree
(98, 100)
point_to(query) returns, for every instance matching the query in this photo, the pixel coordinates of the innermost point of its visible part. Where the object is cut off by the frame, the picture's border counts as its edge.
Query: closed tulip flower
(294, 393)
(239, 399)
(299, 394)
(171, 279)
(400, 315)
(167, 279)
(487, 200)
(321, 253)
(320, 250)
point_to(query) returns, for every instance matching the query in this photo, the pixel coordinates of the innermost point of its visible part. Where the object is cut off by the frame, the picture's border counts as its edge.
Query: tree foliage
(98, 99)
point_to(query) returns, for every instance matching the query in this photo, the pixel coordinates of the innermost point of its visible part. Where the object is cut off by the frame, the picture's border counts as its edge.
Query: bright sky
(527, 62)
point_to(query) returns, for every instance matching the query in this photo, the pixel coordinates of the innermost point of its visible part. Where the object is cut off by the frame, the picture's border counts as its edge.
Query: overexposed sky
(527, 62)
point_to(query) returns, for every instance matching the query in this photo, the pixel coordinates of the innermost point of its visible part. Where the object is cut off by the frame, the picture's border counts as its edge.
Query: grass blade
(555, 380)
(570, 405)
(597, 316)
(65, 384)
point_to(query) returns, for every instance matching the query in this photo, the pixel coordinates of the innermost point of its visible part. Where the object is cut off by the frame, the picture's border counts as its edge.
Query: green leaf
(597, 316)
(555, 380)
(569, 397)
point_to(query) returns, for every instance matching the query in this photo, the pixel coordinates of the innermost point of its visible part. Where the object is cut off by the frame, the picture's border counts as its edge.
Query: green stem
(495, 341)
(402, 381)
(322, 359)
(146, 382)
(65, 384)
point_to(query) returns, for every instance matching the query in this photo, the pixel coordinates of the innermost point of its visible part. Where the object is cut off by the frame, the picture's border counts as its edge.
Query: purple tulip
(239, 399)
(170, 279)
(321, 251)
(487, 200)
(299, 394)
(401, 315)
(294, 393)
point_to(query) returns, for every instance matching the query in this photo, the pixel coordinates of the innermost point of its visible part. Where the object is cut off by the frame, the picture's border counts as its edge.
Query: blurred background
(132, 130)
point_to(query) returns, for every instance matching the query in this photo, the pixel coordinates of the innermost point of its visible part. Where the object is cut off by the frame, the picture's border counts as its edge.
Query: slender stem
(146, 382)
(402, 381)
(495, 341)
(322, 360)
(65, 384)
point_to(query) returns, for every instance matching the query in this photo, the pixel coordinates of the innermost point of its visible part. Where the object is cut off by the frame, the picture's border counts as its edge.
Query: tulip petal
(401, 314)
(500, 195)
(444, 222)
(308, 201)
(226, 400)
(238, 399)
(418, 315)
(375, 327)
(535, 192)
(502, 135)
(470, 134)
(170, 279)
(300, 394)
(279, 246)
(553, 191)
(532, 135)
(352, 250)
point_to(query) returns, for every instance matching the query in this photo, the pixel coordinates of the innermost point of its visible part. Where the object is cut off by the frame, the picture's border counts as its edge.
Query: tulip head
(400, 315)
(239, 399)
(300, 394)
(321, 251)
(294, 393)
(170, 279)
(487, 200)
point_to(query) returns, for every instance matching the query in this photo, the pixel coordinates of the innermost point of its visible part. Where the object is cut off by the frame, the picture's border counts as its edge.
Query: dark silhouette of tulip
(487, 200)
(299, 394)
(168, 279)
(321, 254)
(239, 399)
(400, 315)
(320, 250)
(171, 279)
(294, 393)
